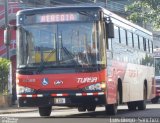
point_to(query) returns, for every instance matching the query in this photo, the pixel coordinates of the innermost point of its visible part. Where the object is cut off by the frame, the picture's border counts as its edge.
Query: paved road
(151, 114)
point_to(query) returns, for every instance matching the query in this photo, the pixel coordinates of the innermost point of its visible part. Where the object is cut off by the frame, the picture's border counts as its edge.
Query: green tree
(145, 11)
(4, 71)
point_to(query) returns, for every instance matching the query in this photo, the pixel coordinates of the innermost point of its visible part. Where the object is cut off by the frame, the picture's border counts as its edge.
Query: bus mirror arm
(10, 27)
(109, 26)
(13, 27)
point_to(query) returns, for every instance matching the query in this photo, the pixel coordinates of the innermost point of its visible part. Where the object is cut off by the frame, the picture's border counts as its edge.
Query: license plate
(59, 100)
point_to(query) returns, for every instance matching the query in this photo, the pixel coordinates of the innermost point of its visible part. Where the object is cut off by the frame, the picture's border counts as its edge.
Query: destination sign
(57, 17)
(60, 17)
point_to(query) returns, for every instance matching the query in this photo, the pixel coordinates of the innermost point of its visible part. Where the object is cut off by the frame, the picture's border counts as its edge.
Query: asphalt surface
(150, 115)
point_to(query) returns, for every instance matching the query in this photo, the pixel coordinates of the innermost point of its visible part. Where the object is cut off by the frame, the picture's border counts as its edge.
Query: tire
(111, 109)
(155, 100)
(120, 92)
(45, 111)
(142, 104)
(118, 98)
(81, 108)
(91, 108)
(131, 106)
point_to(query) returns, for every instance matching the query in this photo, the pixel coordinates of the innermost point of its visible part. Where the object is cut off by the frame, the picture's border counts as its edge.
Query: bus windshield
(60, 44)
(157, 66)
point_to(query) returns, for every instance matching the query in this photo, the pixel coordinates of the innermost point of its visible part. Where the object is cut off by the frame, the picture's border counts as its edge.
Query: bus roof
(58, 9)
(115, 16)
(78, 8)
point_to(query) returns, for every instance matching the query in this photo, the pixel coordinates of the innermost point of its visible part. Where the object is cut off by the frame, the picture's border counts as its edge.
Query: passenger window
(123, 36)
(116, 36)
(109, 44)
(148, 45)
(141, 43)
(144, 44)
(129, 37)
(136, 44)
(151, 46)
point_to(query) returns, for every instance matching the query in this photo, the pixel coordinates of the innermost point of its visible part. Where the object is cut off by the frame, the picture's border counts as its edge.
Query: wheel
(91, 108)
(118, 98)
(155, 100)
(81, 108)
(111, 109)
(142, 104)
(131, 106)
(45, 111)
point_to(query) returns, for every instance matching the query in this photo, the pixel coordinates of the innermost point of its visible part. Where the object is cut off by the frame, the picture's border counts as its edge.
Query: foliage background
(145, 11)
(4, 71)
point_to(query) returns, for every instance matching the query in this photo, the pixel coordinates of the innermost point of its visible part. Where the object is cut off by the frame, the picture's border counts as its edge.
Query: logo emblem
(58, 82)
(45, 81)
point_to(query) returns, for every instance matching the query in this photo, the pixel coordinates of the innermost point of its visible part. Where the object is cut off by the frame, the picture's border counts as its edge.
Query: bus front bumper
(28, 101)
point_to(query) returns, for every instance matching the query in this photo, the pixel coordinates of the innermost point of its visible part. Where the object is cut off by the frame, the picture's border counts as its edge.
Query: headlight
(96, 87)
(21, 89)
(103, 85)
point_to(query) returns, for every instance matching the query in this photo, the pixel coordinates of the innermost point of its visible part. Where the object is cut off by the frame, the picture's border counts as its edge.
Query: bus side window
(123, 36)
(126, 37)
(129, 38)
(109, 46)
(116, 35)
(132, 40)
(144, 44)
(119, 34)
(141, 43)
(135, 37)
(151, 46)
(138, 42)
(148, 45)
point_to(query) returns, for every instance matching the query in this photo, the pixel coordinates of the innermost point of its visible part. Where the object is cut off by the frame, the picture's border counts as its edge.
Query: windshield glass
(157, 66)
(60, 44)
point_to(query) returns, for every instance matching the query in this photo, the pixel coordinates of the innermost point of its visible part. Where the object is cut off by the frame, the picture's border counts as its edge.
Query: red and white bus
(156, 52)
(82, 57)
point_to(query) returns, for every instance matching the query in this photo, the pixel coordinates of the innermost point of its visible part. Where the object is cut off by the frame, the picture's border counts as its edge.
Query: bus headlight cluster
(95, 87)
(21, 90)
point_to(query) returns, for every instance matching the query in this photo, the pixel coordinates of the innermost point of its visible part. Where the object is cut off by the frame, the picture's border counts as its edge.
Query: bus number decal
(133, 73)
(87, 80)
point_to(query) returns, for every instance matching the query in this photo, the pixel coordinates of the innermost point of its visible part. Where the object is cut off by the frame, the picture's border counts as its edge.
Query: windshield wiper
(70, 55)
(42, 64)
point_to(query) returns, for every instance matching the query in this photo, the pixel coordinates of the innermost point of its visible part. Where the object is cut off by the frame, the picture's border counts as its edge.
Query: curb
(17, 111)
(13, 111)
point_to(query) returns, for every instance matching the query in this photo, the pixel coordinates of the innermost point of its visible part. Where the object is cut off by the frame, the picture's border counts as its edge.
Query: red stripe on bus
(53, 95)
(34, 95)
(95, 94)
(23, 95)
(65, 95)
(84, 94)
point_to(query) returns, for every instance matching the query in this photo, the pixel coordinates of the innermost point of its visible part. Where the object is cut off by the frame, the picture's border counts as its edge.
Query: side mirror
(7, 36)
(109, 29)
(7, 33)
